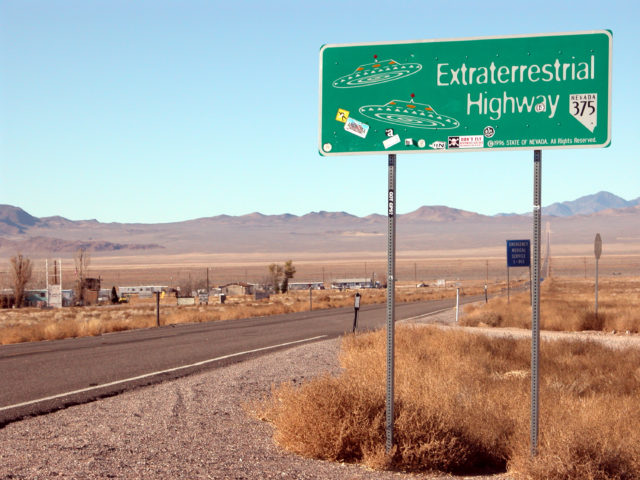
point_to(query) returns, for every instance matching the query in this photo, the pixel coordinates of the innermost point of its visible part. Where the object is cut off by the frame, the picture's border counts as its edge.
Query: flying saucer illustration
(409, 114)
(377, 72)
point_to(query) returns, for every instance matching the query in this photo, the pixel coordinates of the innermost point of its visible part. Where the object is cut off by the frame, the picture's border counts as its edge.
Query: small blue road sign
(518, 253)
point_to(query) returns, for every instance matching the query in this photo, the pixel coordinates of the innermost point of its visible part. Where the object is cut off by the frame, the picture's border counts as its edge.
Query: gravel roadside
(194, 427)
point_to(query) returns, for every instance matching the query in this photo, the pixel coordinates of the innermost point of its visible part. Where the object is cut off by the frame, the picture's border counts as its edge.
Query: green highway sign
(488, 93)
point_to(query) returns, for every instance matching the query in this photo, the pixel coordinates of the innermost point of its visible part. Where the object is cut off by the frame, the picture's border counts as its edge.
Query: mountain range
(589, 204)
(427, 228)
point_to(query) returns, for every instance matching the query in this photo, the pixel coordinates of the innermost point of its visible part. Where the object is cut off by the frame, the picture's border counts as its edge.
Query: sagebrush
(462, 406)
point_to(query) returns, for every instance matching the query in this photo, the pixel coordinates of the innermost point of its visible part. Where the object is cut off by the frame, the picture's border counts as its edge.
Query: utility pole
(487, 280)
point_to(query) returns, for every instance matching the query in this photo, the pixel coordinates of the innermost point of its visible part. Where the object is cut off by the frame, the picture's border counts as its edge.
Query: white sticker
(584, 108)
(438, 145)
(422, 143)
(408, 142)
(357, 128)
(391, 141)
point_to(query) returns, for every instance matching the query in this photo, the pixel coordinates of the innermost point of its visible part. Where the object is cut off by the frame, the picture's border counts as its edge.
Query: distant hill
(15, 220)
(428, 227)
(56, 245)
(440, 214)
(588, 204)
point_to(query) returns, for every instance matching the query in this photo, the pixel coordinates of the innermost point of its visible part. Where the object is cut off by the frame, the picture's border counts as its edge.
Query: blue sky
(158, 111)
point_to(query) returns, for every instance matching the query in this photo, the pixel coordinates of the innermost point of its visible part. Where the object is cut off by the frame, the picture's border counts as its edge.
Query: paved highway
(40, 377)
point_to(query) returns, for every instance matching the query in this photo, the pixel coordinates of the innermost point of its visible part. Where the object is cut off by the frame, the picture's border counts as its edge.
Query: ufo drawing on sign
(377, 72)
(409, 114)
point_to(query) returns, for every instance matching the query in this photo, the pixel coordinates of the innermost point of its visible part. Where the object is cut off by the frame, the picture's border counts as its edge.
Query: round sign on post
(597, 246)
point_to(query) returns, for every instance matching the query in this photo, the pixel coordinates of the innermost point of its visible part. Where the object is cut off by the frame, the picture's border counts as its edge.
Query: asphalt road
(40, 377)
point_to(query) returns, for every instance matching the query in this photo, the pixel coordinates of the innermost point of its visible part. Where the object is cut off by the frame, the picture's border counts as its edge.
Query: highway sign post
(391, 292)
(597, 250)
(535, 301)
(533, 92)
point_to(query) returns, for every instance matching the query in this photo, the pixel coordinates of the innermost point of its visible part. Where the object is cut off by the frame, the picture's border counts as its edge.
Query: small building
(67, 297)
(104, 295)
(306, 286)
(7, 299)
(186, 301)
(352, 283)
(90, 290)
(141, 290)
(35, 298)
(238, 288)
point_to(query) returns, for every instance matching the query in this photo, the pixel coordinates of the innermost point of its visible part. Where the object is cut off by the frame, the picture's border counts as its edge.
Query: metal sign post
(535, 300)
(391, 282)
(157, 309)
(597, 250)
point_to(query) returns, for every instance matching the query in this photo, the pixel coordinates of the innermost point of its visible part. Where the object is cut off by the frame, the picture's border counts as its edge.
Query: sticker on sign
(466, 141)
(357, 128)
(391, 141)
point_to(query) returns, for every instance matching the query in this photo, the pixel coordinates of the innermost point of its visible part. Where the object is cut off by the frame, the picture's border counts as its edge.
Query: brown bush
(462, 406)
(566, 305)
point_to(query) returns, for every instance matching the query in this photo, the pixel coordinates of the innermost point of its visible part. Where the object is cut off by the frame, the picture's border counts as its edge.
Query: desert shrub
(499, 312)
(462, 406)
(565, 305)
(343, 418)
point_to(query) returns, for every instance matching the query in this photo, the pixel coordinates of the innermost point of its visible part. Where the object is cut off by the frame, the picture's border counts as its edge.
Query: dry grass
(567, 305)
(32, 324)
(462, 406)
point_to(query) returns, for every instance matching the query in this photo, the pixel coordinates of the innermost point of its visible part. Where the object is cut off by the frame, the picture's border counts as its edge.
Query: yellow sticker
(342, 115)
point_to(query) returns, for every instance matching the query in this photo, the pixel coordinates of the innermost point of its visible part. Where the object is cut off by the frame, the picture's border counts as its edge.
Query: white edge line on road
(160, 372)
(427, 314)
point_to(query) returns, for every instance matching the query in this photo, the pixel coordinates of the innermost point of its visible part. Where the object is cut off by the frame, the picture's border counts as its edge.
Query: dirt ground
(484, 265)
